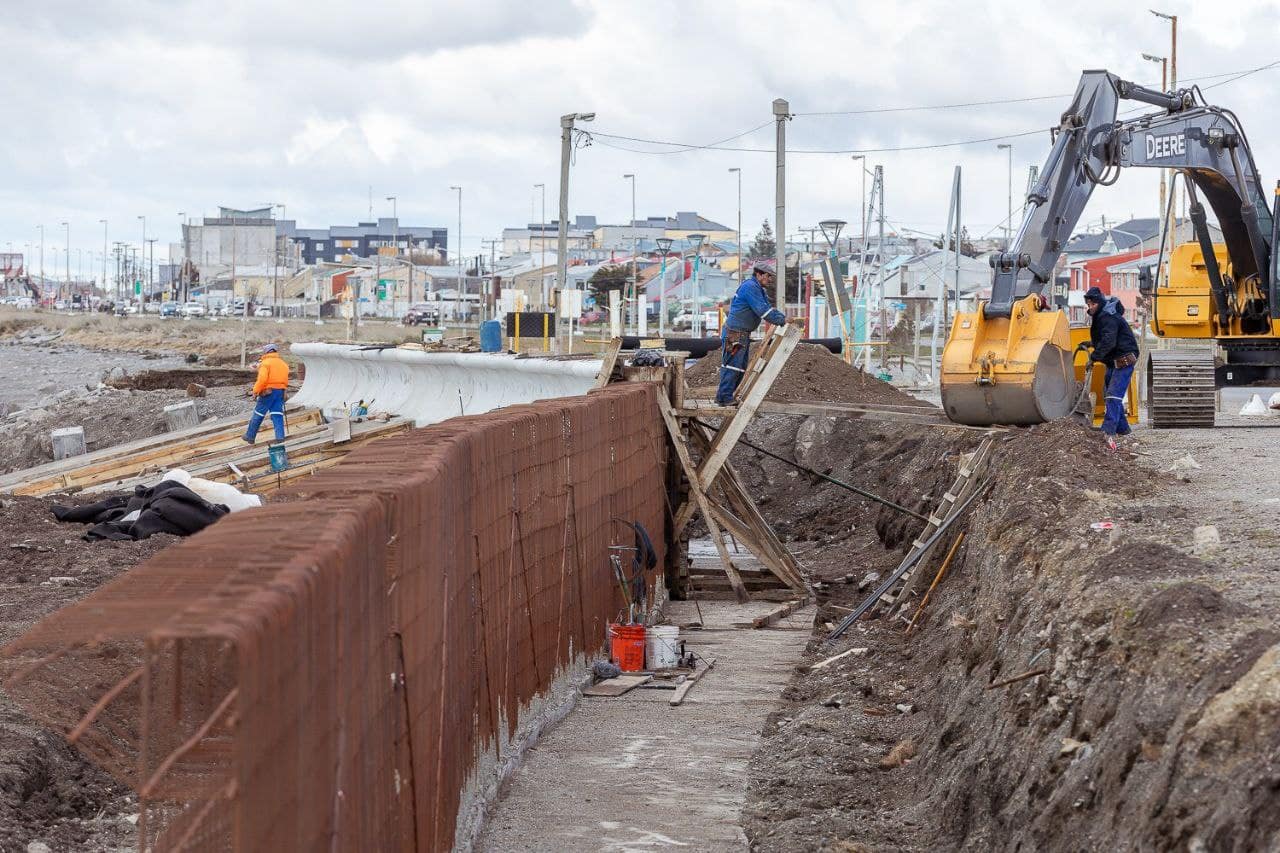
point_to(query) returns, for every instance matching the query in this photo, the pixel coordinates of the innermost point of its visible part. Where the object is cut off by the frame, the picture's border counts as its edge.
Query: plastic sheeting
(433, 386)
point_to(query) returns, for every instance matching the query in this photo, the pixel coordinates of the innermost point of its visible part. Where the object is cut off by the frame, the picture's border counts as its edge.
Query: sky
(125, 108)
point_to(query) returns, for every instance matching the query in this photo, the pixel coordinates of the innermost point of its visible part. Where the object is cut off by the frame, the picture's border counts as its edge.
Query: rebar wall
(328, 672)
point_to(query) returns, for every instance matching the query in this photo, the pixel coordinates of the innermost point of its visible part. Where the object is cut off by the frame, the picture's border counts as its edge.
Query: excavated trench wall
(342, 669)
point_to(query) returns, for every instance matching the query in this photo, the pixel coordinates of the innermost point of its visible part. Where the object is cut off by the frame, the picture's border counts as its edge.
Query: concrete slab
(634, 773)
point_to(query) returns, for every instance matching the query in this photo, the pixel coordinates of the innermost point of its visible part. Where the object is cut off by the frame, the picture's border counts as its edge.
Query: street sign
(137, 288)
(383, 283)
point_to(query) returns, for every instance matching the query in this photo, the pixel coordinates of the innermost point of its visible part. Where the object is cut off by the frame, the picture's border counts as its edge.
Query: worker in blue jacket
(1115, 347)
(750, 305)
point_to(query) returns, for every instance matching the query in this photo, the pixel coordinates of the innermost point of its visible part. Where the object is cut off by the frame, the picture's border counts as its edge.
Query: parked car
(193, 309)
(422, 314)
(169, 309)
(60, 305)
(262, 311)
(151, 307)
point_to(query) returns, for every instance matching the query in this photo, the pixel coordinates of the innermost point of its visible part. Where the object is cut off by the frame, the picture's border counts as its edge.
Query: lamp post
(147, 285)
(395, 226)
(67, 226)
(635, 282)
(664, 246)
(542, 245)
(831, 229)
(738, 171)
(104, 256)
(695, 240)
(567, 123)
(862, 198)
(41, 227)
(457, 302)
(1164, 173)
(1008, 222)
(1172, 85)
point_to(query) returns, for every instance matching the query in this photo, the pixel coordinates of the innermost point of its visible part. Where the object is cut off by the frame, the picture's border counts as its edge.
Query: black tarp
(167, 507)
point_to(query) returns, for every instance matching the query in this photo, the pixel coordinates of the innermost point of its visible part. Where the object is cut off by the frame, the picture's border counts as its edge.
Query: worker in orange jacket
(273, 379)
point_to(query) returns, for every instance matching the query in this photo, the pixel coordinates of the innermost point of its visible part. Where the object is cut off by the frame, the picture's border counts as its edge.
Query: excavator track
(1181, 388)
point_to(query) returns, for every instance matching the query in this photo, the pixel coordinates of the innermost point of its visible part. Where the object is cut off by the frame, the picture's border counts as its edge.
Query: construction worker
(750, 305)
(273, 379)
(1116, 349)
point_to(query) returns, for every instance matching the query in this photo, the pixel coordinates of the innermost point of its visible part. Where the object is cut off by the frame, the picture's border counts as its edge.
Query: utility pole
(151, 262)
(104, 255)
(492, 298)
(738, 171)
(41, 227)
(562, 236)
(781, 112)
(861, 160)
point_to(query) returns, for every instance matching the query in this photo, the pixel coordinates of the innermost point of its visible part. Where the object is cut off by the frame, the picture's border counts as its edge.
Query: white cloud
(132, 107)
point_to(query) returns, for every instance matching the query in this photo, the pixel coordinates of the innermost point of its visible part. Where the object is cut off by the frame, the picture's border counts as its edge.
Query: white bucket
(662, 647)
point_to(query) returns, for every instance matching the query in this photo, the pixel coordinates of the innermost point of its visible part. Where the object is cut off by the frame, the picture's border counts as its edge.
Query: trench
(1151, 725)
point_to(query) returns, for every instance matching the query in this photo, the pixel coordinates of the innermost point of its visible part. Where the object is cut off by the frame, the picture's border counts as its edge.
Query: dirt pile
(48, 792)
(812, 373)
(110, 416)
(1148, 719)
(210, 377)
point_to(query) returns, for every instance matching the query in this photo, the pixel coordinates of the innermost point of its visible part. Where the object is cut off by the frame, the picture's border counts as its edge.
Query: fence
(332, 670)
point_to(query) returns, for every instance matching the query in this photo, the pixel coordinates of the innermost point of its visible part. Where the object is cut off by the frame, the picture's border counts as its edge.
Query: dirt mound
(109, 416)
(1140, 709)
(813, 373)
(47, 791)
(210, 377)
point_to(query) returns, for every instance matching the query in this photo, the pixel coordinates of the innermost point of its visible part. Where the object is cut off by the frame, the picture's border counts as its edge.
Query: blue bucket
(278, 456)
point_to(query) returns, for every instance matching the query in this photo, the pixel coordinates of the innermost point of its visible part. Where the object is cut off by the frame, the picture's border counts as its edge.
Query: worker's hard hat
(765, 265)
(270, 348)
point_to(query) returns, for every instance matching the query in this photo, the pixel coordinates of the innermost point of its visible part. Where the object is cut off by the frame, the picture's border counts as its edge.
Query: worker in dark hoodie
(1116, 349)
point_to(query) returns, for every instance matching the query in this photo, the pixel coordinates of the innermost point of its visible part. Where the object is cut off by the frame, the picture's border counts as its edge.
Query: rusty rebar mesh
(327, 671)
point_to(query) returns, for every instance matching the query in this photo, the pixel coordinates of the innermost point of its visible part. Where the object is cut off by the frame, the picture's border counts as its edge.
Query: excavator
(1015, 359)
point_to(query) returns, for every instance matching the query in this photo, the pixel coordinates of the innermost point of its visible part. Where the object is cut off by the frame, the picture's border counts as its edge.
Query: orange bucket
(626, 646)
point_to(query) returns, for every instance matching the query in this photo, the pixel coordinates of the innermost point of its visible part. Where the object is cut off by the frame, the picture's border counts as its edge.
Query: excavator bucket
(1009, 370)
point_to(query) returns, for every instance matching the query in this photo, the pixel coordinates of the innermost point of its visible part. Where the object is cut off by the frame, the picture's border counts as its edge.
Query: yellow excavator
(1014, 360)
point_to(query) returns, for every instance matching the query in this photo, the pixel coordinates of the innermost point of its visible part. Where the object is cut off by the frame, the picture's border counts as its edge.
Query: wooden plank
(683, 690)
(730, 432)
(610, 359)
(778, 613)
(611, 687)
(682, 451)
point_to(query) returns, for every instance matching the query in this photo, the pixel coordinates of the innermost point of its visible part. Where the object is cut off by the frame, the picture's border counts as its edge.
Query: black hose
(868, 495)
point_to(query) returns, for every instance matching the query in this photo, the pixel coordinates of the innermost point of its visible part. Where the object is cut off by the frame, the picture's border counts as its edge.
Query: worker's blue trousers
(733, 366)
(1116, 382)
(270, 403)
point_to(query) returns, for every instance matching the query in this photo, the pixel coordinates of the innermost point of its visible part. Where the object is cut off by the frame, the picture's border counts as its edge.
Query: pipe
(699, 347)
(868, 495)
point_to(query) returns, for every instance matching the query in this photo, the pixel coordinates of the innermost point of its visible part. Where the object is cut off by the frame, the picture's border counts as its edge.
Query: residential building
(539, 236)
(365, 239)
(929, 275)
(1132, 234)
(1100, 272)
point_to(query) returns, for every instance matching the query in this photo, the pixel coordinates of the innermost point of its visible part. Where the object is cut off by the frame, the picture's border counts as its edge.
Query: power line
(682, 147)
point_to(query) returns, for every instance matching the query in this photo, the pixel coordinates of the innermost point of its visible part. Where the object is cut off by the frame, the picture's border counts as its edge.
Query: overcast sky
(121, 108)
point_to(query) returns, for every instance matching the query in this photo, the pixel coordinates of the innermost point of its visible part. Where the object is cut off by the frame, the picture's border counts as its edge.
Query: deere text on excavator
(1011, 361)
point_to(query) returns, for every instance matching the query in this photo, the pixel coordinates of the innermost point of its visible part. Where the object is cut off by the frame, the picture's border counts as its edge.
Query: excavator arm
(995, 365)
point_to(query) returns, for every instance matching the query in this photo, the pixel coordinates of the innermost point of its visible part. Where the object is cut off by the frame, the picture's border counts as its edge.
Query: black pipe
(698, 347)
(1200, 224)
(868, 495)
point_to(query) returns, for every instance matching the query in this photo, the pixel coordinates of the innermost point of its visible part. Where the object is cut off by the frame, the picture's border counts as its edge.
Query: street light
(1172, 86)
(1164, 84)
(635, 283)
(67, 226)
(664, 246)
(147, 288)
(695, 240)
(738, 172)
(862, 198)
(457, 302)
(395, 225)
(1008, 222)
(542, 244)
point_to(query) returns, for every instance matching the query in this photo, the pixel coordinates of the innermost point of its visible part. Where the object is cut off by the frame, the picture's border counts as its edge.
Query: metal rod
(868, 495)
(906, 565)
